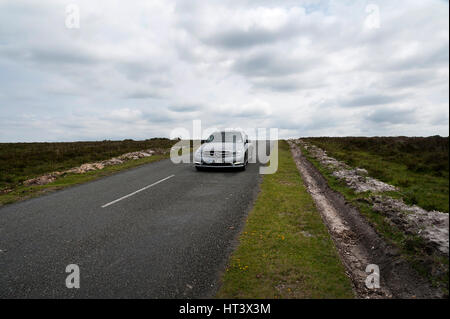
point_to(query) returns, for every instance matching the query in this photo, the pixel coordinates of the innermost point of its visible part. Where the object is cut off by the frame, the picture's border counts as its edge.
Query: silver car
(224, 149)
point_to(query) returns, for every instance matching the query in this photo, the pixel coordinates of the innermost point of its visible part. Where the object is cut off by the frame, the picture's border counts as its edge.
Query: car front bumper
(219, 165)
(203, 161)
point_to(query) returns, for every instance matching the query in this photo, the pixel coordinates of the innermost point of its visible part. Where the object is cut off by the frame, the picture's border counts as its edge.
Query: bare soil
(359, 244)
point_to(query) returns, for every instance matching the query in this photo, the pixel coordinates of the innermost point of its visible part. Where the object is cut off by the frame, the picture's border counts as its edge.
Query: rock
(87, 167)
(136, 155)
(355, 178)
(41, 180)
(5, 191)
(432, 226)
(361, 171)
(361, 183)
(112, 161)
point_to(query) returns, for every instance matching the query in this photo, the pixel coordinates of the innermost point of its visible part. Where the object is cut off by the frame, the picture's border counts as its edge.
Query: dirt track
(358, 244)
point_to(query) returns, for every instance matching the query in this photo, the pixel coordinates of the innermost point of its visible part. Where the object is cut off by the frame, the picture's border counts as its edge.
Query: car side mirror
(246, 141)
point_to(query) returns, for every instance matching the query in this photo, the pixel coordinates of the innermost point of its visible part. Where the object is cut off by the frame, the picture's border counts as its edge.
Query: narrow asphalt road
(172, 239)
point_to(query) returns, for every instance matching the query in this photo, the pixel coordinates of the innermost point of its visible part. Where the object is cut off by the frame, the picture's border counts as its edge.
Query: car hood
(222, 147)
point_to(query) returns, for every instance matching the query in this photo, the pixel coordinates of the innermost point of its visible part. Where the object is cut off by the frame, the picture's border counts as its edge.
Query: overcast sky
(138, 69)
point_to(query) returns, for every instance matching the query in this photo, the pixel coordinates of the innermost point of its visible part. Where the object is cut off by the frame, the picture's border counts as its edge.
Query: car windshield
(225, 137)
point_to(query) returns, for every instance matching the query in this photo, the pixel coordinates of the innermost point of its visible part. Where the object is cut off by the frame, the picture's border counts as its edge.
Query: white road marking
(139, 190)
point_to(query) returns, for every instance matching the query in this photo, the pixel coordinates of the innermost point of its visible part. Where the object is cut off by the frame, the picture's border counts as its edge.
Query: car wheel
(198, 168)
(245, 162)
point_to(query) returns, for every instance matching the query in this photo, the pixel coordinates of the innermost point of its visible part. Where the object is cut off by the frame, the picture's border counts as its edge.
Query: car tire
(245, 162)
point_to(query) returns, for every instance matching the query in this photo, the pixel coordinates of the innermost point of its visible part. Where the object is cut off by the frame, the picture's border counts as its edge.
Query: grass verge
(25, 192)
(418, 166)
(285, 250)
(429, 265)
(22, 161)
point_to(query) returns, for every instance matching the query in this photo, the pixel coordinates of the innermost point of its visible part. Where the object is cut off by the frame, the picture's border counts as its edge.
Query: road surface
(157, 231)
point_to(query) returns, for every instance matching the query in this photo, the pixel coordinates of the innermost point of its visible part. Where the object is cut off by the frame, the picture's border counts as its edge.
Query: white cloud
(255, 108)
(136, 70)
(125, 114)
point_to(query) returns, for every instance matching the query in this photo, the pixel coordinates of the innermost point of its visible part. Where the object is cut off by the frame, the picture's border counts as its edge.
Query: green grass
(25, 192)
(22, 161)
(285, 250)
(434, 267)
(419, 167)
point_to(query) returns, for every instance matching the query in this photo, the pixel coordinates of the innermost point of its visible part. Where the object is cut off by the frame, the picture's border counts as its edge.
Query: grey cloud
(409, 78)
(159, 117)
(440, 119)
(272, 64)
(368, 100)
(183, 108)
(155, 61)
(426, 58)
(139, 70)
(127, 115)
(241, 36)
(238, 39)
(245, 114)
(392, 116)
(49, 55)
(63, 56)
(72, 126)
(286, 84)
(249, 114)
(143, 95)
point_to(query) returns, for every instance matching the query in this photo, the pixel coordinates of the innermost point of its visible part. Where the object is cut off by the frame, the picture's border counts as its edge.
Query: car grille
(217, 154)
